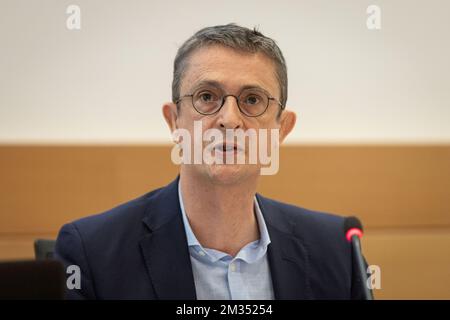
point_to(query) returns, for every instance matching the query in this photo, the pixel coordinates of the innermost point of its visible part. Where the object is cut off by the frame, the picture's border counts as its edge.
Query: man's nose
(230, 117)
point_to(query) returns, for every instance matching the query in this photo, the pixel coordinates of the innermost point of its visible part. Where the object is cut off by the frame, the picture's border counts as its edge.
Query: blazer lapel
(287, 255)
(165, 248)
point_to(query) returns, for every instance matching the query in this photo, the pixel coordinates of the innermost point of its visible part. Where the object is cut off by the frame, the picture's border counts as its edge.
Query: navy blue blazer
(139, 250)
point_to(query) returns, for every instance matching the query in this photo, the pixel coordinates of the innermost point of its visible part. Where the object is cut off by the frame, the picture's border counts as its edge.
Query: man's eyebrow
(206, 83)
(217, 84)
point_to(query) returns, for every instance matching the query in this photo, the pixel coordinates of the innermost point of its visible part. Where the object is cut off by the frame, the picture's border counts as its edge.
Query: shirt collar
(259, 245)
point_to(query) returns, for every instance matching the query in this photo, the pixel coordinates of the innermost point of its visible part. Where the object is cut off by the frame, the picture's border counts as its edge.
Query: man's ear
(170, 114)
(287, 122)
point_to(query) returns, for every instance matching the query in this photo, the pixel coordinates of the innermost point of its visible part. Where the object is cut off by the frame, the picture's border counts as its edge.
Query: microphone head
(352, 227)
(352, 222)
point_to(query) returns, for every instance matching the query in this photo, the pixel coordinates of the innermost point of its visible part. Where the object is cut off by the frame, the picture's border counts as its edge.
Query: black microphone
(353, 232)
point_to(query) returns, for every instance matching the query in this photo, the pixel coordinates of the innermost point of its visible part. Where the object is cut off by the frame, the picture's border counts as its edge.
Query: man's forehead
(230, 68)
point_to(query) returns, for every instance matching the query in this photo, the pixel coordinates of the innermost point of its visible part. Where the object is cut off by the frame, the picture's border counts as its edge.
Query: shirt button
(202, 253)
(233, 267)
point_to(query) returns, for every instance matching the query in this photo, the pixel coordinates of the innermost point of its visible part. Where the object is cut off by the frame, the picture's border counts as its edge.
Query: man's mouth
(225, 147)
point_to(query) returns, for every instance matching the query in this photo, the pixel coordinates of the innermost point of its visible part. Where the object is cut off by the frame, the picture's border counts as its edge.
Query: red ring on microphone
(353, 232)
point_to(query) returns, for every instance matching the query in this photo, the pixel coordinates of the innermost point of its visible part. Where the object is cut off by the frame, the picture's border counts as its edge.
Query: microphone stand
(356, 250)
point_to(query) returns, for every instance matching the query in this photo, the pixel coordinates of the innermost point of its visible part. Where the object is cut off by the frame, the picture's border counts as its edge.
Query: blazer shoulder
(122, 218)
(322, 232)
(322, 236)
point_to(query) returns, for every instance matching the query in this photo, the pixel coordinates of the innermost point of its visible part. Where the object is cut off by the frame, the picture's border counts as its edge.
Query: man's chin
(230, 174)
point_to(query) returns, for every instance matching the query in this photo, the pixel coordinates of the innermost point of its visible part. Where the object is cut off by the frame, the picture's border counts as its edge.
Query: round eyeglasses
(252, 102)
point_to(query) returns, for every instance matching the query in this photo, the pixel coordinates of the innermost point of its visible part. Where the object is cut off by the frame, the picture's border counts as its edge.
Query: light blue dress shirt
(219, 276)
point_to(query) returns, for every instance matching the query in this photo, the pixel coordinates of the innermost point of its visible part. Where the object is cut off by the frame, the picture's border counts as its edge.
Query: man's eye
(252, 100)
(207, 97)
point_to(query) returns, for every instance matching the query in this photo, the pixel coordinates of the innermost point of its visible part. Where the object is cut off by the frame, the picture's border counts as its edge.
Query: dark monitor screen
(33, 279)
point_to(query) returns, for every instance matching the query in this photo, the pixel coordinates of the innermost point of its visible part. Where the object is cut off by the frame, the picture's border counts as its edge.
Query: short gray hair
(238, 38)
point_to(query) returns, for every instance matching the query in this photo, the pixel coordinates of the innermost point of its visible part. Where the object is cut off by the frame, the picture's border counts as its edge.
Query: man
(208, 235)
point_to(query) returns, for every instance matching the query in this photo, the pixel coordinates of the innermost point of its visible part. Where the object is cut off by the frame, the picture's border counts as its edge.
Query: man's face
(231, 71)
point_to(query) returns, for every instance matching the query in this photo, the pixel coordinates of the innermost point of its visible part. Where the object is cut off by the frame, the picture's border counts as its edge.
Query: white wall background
(106, 82)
